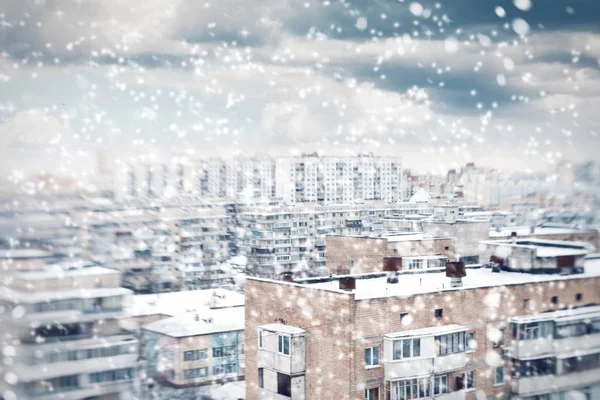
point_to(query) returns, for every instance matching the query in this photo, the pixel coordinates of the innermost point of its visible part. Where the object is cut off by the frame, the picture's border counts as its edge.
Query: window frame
(469, 349)
(369, 393)
(401, 346)
(437, 384)
(281, 341)
(465, 377)
(371, 350)
(496, 369)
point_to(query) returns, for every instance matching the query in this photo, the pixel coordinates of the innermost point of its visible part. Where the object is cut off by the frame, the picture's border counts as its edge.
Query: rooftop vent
(392, 277)
(347, 283)
(456, 271)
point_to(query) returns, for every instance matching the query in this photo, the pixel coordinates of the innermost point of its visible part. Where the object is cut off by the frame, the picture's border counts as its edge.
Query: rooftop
(561, 315)
(410, 283)
(182, 303)
(538, 230)
(63, 270)
(209, 321)
(545, 248)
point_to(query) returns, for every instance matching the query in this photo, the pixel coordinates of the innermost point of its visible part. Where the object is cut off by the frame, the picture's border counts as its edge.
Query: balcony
(530, 386)
(458, 395)
(522, 349)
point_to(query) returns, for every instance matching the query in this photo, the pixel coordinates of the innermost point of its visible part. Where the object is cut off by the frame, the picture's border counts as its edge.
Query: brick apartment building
(499, 335)
(365, 254)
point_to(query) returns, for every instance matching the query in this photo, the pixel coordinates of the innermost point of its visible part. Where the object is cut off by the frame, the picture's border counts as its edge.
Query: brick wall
(327, 316)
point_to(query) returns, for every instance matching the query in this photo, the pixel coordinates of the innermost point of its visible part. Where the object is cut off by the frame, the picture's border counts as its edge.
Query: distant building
(62, 333)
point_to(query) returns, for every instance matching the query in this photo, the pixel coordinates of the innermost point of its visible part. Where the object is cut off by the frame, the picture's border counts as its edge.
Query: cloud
(34, 129)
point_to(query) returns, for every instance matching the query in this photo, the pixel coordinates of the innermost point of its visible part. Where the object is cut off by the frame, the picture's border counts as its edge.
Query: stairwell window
(372, 356)
(468, 380)
(283, 344)
(499, 376)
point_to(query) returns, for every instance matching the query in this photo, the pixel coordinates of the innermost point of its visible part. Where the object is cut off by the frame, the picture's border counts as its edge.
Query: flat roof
(431, 331)
(413, 282)
(545, 248)
(291, 330)
(538, 230)
(63, 270)
(22, 297)
(181, 303)
(561, 315)
(210, 321)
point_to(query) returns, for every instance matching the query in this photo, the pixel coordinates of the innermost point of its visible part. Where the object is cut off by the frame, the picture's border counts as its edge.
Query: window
(451, 343)
(566, 330)
(440, 384)
(538, 367)
(110, 376)
(217, 352)
(195, 355)
(283, 344)
(526, 303)
(499, 376)
(554, 299)
(581, 363)
(407, 348)
(194, 373)
(470, 343)
(261, 378)
(578, 297)
(446, 247)
(468, 379)
(410, 389)
(372, 356)
(231, 368)
(499, 340)
(403, 315)
(415, 264)
(218, 370)
(284, 384)
(533, 330)
(372, 394)
(439, 312)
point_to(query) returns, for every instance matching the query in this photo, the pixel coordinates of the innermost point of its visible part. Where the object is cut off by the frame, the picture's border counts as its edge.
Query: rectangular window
(406, 348)
(218, 370)
(499, 376)
(470, 343)
(581, 363)
(439, 312)
(440, 384)
(538, 367)
(283, 344)
(261, 378)
(217, 352)
(372, 356)
(526, 303)
(410, 389)
(372, 394)
(195, 355)
(469, 380)
(284, 384)
(403, 315)
(554, 299)
(194, 373)
(500, 340)
(451, 343)
(578, 297)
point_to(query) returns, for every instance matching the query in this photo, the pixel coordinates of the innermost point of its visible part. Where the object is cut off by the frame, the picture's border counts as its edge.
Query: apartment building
(196, 348)
(547, 231)
(163, 249)
(292, 239)
(309, 178)
(425, 334)
(60, 329)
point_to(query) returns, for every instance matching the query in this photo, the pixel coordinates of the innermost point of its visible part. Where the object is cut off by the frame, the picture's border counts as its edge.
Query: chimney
(347, 283)
(456, 271)
(287, 277)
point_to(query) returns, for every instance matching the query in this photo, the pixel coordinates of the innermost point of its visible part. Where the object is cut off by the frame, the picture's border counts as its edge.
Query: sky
(513, 85)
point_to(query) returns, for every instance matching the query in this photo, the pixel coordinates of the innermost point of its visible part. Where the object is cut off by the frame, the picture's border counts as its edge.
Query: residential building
(425, 334)
(196, 348)
(60, 329)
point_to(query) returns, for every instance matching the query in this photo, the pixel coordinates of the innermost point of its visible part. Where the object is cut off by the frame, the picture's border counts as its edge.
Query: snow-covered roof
(545, 248)
(561, 315)
(181, 303)
(538, 230)
(430, 331)
(281, 328)
(209, 321)
(58, 271)
(434, 280)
